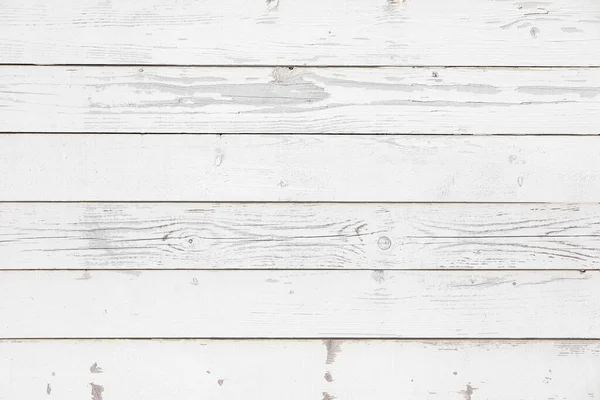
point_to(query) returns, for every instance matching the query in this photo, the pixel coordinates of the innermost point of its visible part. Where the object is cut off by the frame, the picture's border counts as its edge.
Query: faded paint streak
(333, 348)
(97, 391)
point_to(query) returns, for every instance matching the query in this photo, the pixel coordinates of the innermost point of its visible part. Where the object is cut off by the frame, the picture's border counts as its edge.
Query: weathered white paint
(301, 304)
(300, 370)
(298, 32)
(299, 236)
(300, 100)
(299, 168)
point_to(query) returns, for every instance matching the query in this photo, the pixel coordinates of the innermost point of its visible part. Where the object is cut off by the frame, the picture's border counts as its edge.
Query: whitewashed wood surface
(307, 32)
(299, 304)
(299, 236)
(299, 370)
(300, 100)
(299, 168)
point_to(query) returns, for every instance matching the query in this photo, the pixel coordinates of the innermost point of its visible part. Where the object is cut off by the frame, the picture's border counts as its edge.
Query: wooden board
(300, 304)
(293, 32)
(299, 236)
(299, 168)
(300, 100)
(299, 370)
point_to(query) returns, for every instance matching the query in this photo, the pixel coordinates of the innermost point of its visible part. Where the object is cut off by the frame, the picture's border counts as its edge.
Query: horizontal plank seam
(329, 270)
(465, 203)
(355, 66)
(349, 338)
(462, 135)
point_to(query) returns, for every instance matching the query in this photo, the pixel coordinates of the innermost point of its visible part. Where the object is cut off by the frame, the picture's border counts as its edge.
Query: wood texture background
(308, 304)
(307, 32)
(306, 200)
(300, 369)
(299, 236)
(301, 100)
(336, 168)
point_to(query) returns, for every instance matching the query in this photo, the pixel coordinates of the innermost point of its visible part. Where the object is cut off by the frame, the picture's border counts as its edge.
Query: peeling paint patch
(328, 376)
(334, 347)
(95, 369)
(220, 382)
(97, 391)
(86, 276)
(378, 276)
(327, 396)
(468, 393)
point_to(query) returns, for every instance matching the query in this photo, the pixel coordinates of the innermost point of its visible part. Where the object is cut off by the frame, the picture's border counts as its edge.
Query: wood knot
(384, 243)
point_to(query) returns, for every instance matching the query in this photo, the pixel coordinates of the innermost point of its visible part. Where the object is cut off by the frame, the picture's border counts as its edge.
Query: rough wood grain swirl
(299, 236)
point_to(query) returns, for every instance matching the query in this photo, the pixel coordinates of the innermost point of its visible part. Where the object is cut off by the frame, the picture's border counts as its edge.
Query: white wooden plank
(299, 168)
(298, 236)
(300, 100)
(300, 370)
(315, 32)
(324, 304)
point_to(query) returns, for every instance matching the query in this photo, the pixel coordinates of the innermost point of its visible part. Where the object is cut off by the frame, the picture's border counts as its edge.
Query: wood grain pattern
(300, 369)
(299, 304)
(300, 100)
(313, 32)
(299, 236)
(299, 168)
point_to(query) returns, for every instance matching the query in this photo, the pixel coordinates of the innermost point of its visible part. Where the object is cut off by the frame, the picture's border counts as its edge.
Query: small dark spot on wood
(48, 389)
(141, 70)
(208, 372)
(283, 184)
(534, 32)
(290, 68)
(220, 382)
(194, 281)
(468, 393)
(520, 181)
(333, 347)
(54, 374)
(327, 396)
(95, 369)
(434, 74)
(455, 373)
(328, 377)
(583, 271)
(514, 284)
(165, 237)
(97, 391)
(292, 292)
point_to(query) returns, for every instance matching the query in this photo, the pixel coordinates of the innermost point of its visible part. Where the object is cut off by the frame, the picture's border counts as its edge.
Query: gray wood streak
(300, 100)
(299, 236)
(300, 32)
(298, 369)
(299, 304)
